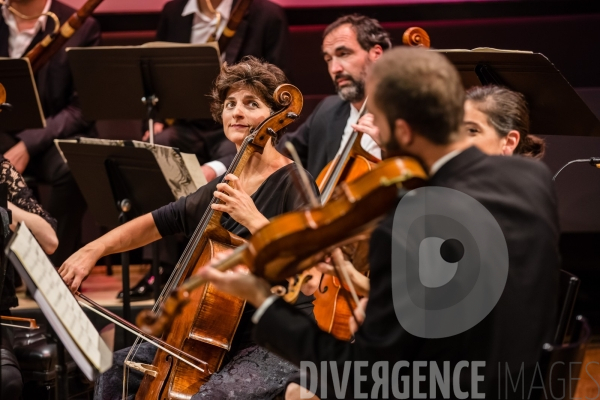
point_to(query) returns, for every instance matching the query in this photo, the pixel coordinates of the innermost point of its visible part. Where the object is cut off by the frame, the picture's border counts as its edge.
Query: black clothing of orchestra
(318, 139)
(64, 119)
(518, 192)
(277, 195)
(21, 196)
(263, 33)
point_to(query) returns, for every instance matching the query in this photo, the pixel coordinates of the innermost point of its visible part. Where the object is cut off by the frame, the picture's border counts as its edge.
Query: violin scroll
(416, 36)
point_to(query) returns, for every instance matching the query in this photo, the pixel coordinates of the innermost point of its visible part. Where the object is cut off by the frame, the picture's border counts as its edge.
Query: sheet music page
(193, 166)
(62, 301)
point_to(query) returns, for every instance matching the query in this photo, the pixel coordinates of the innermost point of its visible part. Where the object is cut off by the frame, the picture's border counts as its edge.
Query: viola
(205, 325)
(294, 242)
(333, 305)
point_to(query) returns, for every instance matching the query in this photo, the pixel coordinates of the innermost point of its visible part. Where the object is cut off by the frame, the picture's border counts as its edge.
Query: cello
(205, 326)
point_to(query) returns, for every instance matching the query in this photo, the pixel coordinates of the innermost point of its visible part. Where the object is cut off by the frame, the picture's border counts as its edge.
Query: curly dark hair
(368, 31)
(250, 73)
(507, 110)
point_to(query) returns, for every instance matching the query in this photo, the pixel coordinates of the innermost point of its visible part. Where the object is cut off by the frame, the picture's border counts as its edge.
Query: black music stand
(118, 183)
(74, 331)
(154, 81)
(555, 107)
(22, 109)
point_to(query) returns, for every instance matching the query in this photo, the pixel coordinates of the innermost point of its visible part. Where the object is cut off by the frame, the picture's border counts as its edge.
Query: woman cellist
(241, 100)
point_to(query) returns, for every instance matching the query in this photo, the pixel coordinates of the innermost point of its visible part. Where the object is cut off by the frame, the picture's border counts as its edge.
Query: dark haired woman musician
(241, 100)
(498, 121)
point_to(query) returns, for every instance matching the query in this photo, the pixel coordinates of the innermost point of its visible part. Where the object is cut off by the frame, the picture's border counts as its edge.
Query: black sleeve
(183, 215)
(163, 24)
(19, 194)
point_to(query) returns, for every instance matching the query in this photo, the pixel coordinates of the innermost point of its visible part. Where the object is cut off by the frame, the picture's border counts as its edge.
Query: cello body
(205, 329)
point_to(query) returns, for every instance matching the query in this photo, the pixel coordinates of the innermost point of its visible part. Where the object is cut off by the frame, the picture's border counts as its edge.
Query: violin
(295, 241)
(205, 325)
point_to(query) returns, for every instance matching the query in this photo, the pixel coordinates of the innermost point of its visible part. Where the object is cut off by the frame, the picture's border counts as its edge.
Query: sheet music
(62, 301)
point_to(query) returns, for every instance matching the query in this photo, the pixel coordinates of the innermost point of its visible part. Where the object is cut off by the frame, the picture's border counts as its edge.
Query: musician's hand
(238, 204)
(359, 311)
(365, 124)
(158, 128)
(18, 156)
(360, 282)
(238, 281)
(209, 173)
(79, 265)
(309, 287)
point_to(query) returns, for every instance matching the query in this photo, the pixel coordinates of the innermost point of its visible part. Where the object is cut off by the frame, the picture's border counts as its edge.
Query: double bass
(205, 326)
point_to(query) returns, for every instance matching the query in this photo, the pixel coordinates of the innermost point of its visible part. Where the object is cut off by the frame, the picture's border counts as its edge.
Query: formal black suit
(64, 119)
(263, 33)
(318, 139)
(519, 194)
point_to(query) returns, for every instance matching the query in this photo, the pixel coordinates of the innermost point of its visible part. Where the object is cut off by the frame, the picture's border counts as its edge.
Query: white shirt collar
(191, 7)
(443, 160)
(10, 20)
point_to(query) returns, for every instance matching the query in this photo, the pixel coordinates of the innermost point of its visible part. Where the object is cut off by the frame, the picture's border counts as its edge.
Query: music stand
(70, 324)
(155, 81)
(555, 107)
(121, 182)
(22, 109)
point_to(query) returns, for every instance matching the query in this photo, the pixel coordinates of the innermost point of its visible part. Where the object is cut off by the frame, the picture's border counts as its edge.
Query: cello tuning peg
(292, 115)
(271, 132)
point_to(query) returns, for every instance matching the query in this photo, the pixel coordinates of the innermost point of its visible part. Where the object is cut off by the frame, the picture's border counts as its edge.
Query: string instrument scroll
(416, 37)
(204, 326)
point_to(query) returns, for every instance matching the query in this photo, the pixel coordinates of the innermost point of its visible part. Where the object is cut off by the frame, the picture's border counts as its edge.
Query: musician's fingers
(222, 196)
(337, 257)
(75, 284)
(324, 268)
(223, 187)
(221, 207)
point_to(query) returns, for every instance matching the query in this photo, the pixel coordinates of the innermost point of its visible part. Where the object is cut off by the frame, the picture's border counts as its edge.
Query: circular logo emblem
(449, 262)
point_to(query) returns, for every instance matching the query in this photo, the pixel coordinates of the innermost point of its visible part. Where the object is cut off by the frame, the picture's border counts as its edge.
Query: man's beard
(352, 92)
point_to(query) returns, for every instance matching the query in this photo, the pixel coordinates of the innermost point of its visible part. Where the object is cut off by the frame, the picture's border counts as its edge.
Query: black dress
(249, 371)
